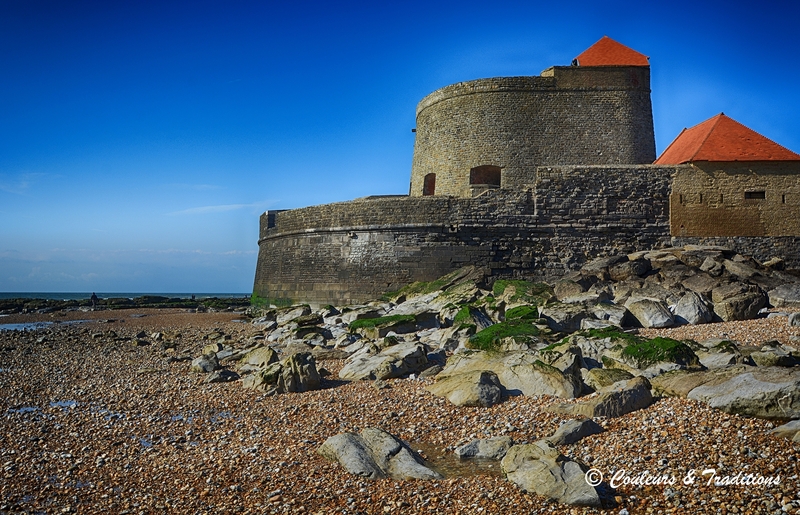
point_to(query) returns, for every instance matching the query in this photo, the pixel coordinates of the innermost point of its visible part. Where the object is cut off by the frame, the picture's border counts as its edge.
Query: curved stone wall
(567, 116)
(552, 221)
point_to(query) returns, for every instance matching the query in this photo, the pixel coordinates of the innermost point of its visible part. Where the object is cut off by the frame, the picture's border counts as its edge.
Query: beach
(104, 416)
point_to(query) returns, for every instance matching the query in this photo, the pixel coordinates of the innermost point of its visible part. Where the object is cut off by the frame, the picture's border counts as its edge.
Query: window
(429, 184)
(485, 175)
(755, 195)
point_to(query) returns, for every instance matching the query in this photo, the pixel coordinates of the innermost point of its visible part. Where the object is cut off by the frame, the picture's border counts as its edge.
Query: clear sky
(139, 141)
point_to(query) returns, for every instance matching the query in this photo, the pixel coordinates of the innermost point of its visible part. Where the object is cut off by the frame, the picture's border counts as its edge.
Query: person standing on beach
(94, 300)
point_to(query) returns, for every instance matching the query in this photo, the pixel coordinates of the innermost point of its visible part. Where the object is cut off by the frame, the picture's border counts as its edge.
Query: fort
(530, 177)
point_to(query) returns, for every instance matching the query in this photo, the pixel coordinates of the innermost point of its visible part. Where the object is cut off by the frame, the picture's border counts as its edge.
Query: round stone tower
(596, 112)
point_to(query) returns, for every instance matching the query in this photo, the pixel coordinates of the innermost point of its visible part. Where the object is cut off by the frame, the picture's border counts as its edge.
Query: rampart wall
(567, 116)
(354, 251)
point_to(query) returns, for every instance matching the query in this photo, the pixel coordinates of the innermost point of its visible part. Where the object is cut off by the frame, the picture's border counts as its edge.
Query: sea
(115, 295)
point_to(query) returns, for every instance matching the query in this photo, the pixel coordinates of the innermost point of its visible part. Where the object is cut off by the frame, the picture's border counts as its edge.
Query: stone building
(530, 177)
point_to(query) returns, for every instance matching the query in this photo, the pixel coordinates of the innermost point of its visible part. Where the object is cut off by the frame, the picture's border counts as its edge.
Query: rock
(540, 468)
(701, 283)
(297, 373)
(375, 454)
(788, 430)
(222, 376)
(679, 383)
(650, 313)
(259, 358)
(431, 371)
(565, 318)
(572, 431)
(763, 392)
(288, 314)
(473, 388)
(691, 309)
(599, 378)
(740, 307)
(599, 267)
(773, 358)
(794, 320)
(520, 372)
(628, 269)
(611, 313)
(740, 270)
(485, 448)
(205, 364)
(567, 288)
(615, 401)
(395, 361)
(787, 295)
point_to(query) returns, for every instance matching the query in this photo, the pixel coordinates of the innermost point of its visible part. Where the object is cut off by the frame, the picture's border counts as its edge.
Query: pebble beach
(96, 418)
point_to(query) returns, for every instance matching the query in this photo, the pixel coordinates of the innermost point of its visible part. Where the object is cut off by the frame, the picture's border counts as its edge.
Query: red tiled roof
(723, 139)
(608, 52)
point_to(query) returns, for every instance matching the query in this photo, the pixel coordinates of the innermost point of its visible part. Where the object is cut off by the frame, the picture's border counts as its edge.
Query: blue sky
(139, 141)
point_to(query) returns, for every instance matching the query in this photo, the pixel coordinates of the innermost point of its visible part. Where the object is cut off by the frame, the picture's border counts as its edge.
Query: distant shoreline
(114, 295)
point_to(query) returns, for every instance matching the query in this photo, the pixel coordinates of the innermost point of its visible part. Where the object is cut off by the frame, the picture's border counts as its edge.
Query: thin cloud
(20, 184)
(259, 206)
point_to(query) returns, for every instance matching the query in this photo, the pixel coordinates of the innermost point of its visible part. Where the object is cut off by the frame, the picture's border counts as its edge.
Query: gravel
(91, 422)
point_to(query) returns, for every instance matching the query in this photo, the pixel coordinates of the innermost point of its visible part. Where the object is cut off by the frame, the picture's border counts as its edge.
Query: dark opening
(485, 174)
(429, 184)
(755, 195)
(783, 199)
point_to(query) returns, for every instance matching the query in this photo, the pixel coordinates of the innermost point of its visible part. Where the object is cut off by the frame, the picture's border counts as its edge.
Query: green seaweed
(523, 313)
(489, 339)
(659, 349)
(375, 322)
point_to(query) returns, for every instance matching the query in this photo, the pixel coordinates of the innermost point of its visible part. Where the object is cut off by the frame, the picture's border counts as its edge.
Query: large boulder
(565, 318)
(763, 392)
(740, 307)
(540, 468)
(297, 373)
(520, 372)
(787, 295)
(375, 454)
(394, 361)
(473, 388)
(615, 401)
(650, 313)
(692, 309)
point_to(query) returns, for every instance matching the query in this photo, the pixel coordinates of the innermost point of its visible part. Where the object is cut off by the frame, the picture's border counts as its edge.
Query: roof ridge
(708, 134)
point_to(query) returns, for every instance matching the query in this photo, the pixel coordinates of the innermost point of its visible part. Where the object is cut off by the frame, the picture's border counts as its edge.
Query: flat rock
(763, 392)
(787, 295)
(395, 361)
(485, 448)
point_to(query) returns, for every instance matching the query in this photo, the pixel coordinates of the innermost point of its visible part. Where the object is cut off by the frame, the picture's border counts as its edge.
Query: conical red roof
(608, 52)
(722, 138)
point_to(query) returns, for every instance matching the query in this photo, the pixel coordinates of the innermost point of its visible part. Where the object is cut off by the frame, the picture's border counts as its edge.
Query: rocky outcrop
(614, 401)
(297, 373)
(393, 361)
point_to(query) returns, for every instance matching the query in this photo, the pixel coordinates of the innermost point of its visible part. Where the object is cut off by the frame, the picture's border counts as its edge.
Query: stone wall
(354, 251)
(736, 199)
(761, 248)
(567, 116)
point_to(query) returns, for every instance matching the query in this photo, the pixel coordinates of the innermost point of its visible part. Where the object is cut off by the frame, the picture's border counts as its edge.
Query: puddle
(36, 326)
(24, 409)
(27, 326)
(220, 417)
(450, 465)
(108, 414)
(63, 404)
(145, 443)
